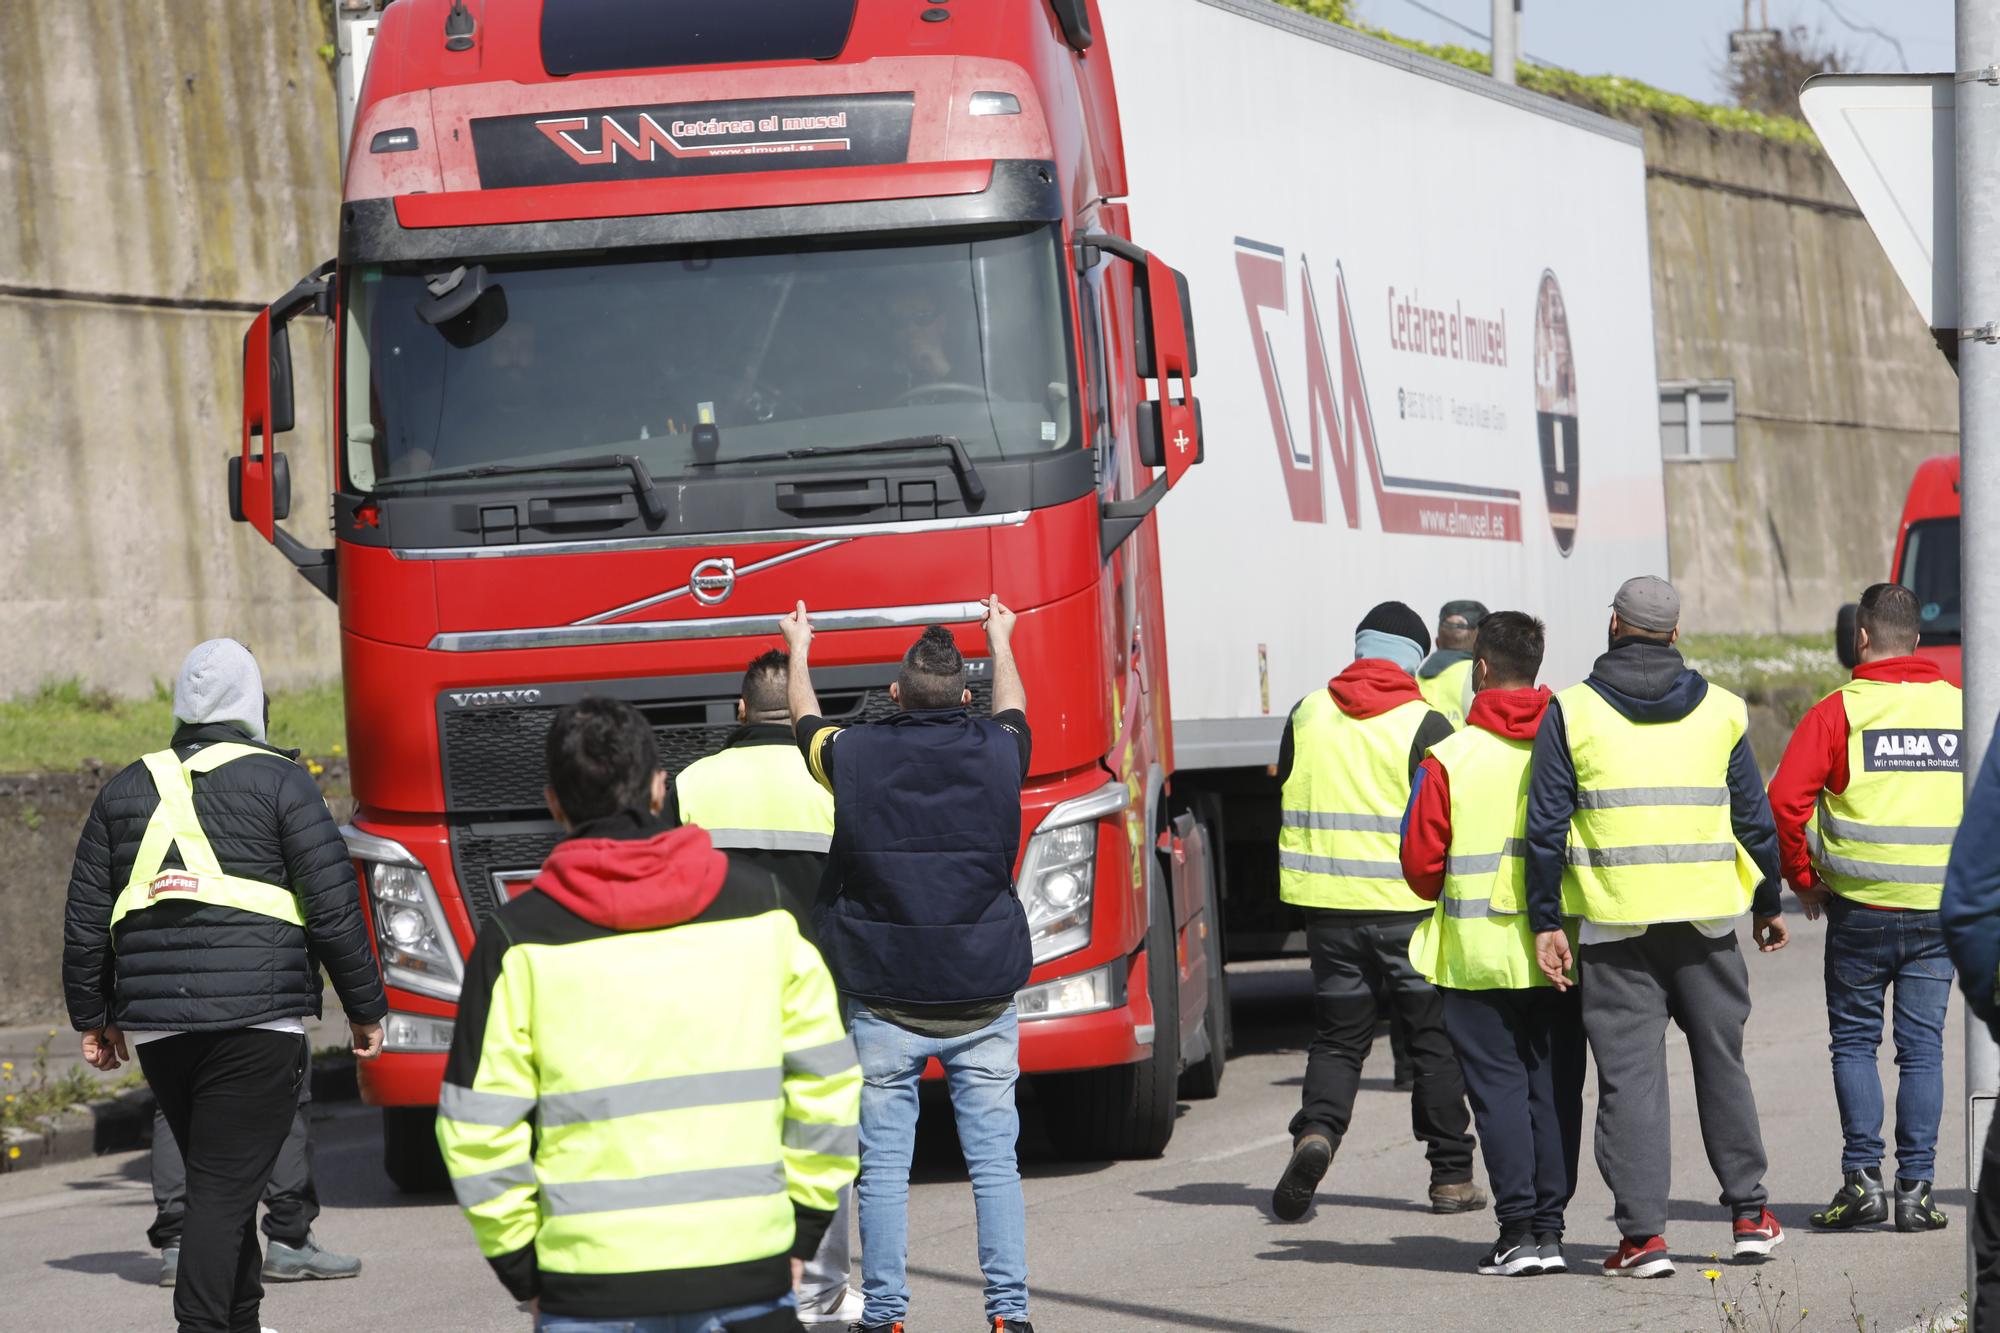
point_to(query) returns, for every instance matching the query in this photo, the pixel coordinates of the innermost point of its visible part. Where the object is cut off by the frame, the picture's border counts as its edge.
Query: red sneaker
(1646, 1258)
(1757, 1236)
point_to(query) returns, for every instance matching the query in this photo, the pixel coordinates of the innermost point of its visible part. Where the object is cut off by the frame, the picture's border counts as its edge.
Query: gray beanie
(220, 682)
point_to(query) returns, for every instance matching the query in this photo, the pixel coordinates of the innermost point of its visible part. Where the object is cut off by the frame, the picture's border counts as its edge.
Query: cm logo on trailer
(1340, 427)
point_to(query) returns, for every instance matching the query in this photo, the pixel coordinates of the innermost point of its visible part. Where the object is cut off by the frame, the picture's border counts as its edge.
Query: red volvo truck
(1927, 563)
(646, 329)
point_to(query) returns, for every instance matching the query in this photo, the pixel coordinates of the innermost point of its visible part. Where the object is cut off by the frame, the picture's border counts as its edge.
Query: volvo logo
(492, 698)
(712, 581)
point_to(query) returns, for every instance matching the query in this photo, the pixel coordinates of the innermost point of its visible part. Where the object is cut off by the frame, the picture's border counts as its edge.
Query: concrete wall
(1765, 273)
(156, 155)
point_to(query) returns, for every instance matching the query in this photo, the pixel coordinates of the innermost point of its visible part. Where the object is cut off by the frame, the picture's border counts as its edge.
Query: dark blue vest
(918, 903)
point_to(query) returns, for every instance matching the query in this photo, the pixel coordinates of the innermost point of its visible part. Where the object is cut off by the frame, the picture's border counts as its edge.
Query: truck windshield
(777, 350)
(1930, 570)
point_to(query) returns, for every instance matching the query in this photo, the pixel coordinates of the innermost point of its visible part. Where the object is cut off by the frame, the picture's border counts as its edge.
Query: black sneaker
(1311, 1156)
(1860, 1202)
(1549, 1246)
(858, 1327)
(1915, 1210)
(1513, 1255)
(1010, 1326)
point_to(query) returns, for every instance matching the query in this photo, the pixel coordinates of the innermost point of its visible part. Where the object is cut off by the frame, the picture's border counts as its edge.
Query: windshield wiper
(969, 483)
(650, 503)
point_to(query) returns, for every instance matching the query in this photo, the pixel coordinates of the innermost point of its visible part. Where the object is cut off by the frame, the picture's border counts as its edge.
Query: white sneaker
(841, 1306)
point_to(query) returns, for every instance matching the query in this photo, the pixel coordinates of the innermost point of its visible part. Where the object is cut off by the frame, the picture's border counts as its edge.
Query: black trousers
(1986, 1237)
(1353, 961)
(291, 1202)
(229, 1098)
(1522, 1053)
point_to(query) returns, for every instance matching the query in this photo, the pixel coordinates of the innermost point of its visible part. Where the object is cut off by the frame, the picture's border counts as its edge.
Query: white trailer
(1424, 308)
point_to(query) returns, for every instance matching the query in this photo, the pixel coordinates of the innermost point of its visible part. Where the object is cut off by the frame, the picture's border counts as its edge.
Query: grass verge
(64, 726)
(28, 1094)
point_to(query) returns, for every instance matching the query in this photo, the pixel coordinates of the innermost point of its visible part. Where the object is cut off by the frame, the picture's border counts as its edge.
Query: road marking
(48, 1203)
(1255, 1145)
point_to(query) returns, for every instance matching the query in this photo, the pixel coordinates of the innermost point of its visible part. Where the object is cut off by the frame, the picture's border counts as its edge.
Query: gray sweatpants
(1630, 989)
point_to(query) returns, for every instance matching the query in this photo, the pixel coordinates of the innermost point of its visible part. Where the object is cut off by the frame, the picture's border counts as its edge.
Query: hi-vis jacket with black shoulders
(651, 1101)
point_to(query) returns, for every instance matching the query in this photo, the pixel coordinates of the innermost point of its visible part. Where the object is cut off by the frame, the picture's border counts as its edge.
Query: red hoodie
(1816, 760)
(620, 874)
(1371, 686)
(1515, 714)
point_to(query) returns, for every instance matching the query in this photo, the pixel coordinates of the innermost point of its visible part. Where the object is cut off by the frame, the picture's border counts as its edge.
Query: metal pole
(1977, 123)
(1506, 38)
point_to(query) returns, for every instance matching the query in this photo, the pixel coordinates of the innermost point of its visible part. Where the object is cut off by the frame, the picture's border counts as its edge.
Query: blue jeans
(981, 1069)
(703, 1321)
(1867, 950)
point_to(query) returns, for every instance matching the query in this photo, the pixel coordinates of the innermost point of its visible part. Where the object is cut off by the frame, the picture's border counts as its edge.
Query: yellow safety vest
(1448, 690)
(1340, 831)
(1886, 839)
(201, 878)
(1478, 938)
(682, 1152)
(1651, 840)
(757, 797)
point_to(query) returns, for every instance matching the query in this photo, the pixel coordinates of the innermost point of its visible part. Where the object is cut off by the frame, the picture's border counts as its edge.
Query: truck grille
(494, 772)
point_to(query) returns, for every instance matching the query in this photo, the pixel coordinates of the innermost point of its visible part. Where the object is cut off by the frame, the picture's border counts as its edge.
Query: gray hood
(220, 682)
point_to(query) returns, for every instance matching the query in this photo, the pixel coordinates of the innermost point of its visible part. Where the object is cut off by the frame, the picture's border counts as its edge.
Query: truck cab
(645, 330)
(1927, 563)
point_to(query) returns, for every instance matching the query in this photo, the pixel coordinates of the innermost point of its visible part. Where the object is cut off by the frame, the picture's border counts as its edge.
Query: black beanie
(1395, 618)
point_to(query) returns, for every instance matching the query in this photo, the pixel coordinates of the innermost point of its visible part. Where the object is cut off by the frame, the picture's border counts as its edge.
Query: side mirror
(282, 416)
(281, 487)
(1846, 644)
(1169, 426)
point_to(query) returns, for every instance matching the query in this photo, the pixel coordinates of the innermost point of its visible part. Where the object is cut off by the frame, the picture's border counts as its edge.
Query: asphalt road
(1182, 1243)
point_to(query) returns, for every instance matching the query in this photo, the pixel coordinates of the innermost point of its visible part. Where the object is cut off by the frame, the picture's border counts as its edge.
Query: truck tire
(1202, 1080)
(1127, 1111)
(410, 1153)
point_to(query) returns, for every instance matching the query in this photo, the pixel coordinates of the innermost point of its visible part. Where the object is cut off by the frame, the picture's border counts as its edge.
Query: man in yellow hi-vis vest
(1519, 1040)
(211, 885)
(1445, 676)
(1867, 800)
(1345, 764)
(650, 1105)
(757, 801)
(1647, 819)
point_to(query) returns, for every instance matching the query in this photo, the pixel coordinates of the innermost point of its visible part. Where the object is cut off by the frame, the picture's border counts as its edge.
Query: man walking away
(1445, 676)
(669, 1172)
(759, 803)
(1345, 765)
(1866, 800)
(210, 883)
(1519, 1040)
(1647, 818)
(1970, 914)
(920, 923)
(291, 1202)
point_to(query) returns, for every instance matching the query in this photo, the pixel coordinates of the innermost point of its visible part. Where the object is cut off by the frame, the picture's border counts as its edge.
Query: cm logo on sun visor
(691, 139)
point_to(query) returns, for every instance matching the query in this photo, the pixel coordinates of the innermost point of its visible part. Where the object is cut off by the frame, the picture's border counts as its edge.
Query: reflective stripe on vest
(1448, 689)
(1478, 937)
(1339, 830)
(174, 825)
(1885, 840)
(757, 797)
(1651, 839)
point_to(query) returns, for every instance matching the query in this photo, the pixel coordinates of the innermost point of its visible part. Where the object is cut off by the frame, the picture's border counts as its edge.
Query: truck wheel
(1127, 1111)
(410, 1153)
(1202, 1080)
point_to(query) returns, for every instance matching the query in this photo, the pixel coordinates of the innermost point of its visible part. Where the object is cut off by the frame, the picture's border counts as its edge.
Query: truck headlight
(411, 933)
(1059, 871)
(1085, 993)
(416, 1033)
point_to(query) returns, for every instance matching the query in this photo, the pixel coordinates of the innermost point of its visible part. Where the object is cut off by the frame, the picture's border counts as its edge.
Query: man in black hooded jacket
(1647, 818)
(209, 885)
